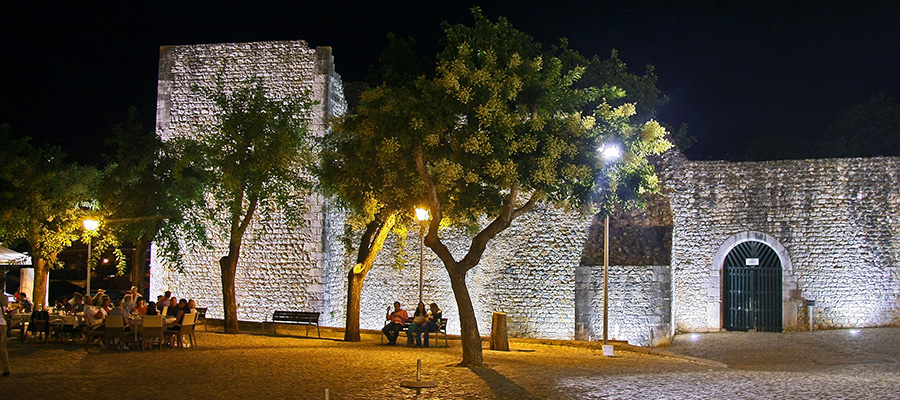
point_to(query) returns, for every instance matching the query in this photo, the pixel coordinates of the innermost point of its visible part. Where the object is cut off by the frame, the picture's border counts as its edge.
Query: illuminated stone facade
(835, 225)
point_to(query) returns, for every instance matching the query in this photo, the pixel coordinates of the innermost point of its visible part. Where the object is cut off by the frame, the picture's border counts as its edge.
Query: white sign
(751, 261)
(608, 350)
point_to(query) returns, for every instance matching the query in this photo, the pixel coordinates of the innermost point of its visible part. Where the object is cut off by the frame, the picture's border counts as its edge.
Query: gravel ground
(260, 366)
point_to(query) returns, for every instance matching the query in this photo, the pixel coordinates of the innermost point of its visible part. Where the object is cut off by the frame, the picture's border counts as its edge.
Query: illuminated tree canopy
(498, 126)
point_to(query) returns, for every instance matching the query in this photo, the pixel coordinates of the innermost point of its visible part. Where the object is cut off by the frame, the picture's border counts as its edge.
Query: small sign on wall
(751, 261)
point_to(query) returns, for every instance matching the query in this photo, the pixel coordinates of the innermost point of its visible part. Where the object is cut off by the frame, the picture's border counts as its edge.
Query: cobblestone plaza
(835, 364)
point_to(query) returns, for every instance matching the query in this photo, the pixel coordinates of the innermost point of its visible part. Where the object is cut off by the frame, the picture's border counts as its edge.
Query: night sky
(759, 72)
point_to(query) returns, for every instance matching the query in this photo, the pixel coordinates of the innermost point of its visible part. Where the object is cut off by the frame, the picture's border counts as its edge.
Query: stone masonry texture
(834, 222)
(835, 225)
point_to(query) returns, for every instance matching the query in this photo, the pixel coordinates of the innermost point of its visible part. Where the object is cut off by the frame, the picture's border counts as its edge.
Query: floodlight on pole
(422, 216)
(90, 225)
(609, 153)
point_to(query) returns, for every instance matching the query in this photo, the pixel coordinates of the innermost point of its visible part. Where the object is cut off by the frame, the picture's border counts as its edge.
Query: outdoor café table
(61, 321)
(20, 320)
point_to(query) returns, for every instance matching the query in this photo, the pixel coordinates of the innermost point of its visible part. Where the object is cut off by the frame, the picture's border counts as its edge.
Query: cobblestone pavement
(259, 366)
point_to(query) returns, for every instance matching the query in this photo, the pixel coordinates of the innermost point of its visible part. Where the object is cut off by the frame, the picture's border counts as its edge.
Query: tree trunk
(371, 243)
(41, 273)
(354, 293)
(228, 265)
(471, 339)
(139, 261)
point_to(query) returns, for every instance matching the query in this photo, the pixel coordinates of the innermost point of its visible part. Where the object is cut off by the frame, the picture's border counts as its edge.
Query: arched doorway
(752, 288)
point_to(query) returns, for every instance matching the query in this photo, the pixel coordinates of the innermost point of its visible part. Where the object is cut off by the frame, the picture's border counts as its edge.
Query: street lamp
(422, 216)
(609, 153)
(90, 225)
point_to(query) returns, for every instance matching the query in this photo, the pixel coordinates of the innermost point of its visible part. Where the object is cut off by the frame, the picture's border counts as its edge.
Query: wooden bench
(442, 328)
(296, 317)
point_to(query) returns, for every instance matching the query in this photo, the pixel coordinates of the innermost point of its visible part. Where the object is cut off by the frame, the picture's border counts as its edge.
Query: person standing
(393, 328)
(4, 355)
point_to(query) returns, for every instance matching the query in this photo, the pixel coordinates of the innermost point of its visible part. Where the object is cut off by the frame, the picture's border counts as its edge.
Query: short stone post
(499, 341)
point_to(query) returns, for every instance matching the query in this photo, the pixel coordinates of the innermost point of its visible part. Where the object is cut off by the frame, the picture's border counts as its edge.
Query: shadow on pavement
(502, 386)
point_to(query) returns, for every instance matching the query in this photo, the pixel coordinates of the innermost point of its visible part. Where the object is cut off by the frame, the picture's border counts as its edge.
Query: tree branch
(431, 239)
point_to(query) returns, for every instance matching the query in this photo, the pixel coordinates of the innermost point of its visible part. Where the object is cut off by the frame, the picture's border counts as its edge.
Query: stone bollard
(499, 340)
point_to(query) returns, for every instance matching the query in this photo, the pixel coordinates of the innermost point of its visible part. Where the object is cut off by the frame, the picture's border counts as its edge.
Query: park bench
(296, 317)
(441, 329)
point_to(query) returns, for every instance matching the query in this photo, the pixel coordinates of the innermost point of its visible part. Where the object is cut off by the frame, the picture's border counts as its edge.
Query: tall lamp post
(422, 216)
(90, 225)
(609, 153)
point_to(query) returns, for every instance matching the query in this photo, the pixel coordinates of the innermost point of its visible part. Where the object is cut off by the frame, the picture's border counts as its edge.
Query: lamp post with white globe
(608, 153)
(90, 225)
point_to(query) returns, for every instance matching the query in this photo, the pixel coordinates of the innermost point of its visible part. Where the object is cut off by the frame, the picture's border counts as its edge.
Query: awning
(9, 257)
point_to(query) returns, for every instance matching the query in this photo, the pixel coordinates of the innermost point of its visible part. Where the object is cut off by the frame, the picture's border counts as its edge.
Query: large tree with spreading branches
(500, 125)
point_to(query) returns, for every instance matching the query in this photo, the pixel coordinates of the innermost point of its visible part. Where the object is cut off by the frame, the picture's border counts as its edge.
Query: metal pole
(87, 285)
(606, 281)
(421, 259)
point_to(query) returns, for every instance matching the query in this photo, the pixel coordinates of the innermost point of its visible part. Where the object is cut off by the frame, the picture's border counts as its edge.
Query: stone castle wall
(528, 272)
(280, 267)
(834, 222)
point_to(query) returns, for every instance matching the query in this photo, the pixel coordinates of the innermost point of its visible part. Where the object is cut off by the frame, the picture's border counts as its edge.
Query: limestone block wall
(528, 272)
(639, 304)
(280, 267)
(836, 221)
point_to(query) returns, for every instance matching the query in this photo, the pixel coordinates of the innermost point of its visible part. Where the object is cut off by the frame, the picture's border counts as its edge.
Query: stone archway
(790, 301)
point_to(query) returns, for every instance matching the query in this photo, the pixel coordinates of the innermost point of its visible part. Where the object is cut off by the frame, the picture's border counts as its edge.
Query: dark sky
(756, 71)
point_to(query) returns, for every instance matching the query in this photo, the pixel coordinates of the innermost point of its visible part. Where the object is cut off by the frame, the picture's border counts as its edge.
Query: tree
(250, 164)
(142, 200)
(42, 201)
(379, 200)
(498, 128)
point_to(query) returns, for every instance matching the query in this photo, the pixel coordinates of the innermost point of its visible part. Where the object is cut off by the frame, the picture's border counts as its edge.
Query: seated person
(119, 312)
(141, 307)
(418, 321)
(393, 328)
(93, 316)
(432, 322)
(180, 310)
(62, 304)
(128, 303)
(77, 303)
(151, 309)
(173, 307)
(22, 300)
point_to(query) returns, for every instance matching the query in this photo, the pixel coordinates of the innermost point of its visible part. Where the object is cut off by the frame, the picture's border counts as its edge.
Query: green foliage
(141, 200)
(249, 161)
(42, 199)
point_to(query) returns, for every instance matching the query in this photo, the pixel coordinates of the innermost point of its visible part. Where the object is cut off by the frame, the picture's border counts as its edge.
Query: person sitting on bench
(432, 322)
(393, 328)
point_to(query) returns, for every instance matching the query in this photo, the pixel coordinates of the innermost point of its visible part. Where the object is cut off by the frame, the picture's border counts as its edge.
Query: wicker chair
(185, 329)
(152, 329)
(201, 316)
(115, 330)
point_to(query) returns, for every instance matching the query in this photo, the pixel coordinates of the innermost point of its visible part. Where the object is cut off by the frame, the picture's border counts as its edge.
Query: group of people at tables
(422, 322)
(92, 312)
